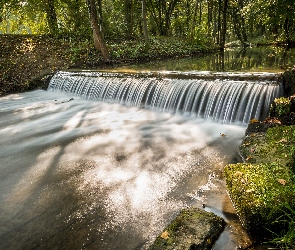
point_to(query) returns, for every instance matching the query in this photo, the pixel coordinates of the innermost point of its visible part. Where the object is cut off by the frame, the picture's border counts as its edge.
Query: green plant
(285, 239)
(281, 106)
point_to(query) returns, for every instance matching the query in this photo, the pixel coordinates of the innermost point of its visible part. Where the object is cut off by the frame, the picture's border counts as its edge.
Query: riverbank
(26, 59)
(262, 187)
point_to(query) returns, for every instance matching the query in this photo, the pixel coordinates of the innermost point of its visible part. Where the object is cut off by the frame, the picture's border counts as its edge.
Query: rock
(275, 145)
(260, 187)
(259, 193)
(289, 82)
(193, 229)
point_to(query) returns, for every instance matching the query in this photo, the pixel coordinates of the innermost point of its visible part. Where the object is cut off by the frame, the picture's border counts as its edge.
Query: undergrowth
(286, 238)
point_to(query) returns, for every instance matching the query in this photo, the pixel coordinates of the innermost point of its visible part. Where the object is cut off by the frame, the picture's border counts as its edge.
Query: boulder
(261, 187)
(260, 193)
(192, 229)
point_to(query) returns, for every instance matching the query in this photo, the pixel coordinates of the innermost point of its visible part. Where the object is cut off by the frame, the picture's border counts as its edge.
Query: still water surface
(256, 59)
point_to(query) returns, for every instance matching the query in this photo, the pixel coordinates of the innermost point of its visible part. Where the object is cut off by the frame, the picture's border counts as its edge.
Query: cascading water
(227, 98)
(97, 175)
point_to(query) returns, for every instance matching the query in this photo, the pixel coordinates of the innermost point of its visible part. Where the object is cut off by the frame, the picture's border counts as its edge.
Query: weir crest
(223, 97)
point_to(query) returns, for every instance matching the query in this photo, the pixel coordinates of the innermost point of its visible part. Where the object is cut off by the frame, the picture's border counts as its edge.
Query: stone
(275, 145)
(259, 193)
(289, 82)
(193, 229)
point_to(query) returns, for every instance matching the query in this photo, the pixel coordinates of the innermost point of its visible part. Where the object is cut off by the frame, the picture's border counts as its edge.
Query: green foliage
(280, 107)
(158, 47)
(20, 20)
(286, 238)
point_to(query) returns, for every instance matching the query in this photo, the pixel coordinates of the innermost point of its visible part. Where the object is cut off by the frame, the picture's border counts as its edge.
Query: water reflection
(269, 59)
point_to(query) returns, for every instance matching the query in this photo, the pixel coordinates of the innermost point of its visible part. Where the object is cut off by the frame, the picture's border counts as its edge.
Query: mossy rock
(193, 229)
(259, 192)
(289, 82)
(276, 145)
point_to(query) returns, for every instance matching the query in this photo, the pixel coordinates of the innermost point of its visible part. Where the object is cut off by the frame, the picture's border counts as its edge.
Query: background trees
(197, 21)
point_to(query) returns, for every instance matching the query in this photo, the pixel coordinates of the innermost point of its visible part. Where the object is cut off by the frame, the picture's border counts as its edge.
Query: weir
(223, 97)
(124, 170)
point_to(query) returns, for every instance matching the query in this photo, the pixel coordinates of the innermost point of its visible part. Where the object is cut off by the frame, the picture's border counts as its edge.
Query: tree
(238, 20)
(224, 24)
(97, 35)
(128, 11)
(144, 22)
(50, 15)
(161, 12)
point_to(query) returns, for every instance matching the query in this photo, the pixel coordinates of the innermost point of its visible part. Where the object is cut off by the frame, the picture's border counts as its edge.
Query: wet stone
(192, 229)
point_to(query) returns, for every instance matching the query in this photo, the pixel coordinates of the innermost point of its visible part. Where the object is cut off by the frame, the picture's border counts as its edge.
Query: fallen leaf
(249, 158)
(239, 173)
(282, 181)
(282, 141)
(165, 235)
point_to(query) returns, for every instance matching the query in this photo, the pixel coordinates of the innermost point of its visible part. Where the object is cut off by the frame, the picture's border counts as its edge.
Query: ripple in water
(79, 174)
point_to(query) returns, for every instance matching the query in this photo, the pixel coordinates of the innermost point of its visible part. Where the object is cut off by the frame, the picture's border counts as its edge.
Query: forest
(38, 37)
(197, 22)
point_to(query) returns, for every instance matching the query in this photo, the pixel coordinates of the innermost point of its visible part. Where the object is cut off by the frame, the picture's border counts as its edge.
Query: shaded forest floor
(26, 59)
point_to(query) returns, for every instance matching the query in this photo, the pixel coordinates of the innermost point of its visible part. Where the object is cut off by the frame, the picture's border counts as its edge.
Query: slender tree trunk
(144, 22)
(128, 5)
(99, 12)
(200, 13)
(51, 16)
(193, 25)
(224, 23)
(209, 22)
(97, 35)
(219, 23)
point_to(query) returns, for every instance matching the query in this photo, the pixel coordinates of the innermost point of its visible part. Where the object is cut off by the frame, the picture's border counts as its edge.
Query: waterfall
(223, 97)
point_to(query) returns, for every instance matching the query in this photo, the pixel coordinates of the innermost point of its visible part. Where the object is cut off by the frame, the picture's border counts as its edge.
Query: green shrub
(280, 107)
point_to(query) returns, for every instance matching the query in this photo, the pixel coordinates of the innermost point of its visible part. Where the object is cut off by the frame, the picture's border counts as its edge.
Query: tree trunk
(128, 6)
(51, 16)
(218, 39)
(97, 35)
(223, 26)
(192, 32)
(200, 13)
(144, 22)
(209, 22)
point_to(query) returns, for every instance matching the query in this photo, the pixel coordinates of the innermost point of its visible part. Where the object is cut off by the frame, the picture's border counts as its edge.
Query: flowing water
(106, 162)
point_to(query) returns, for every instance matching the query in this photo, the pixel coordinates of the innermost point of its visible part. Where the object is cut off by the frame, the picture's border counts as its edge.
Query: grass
(286, 238)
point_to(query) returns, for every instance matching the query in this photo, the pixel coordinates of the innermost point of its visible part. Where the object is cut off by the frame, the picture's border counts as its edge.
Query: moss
(276, 145)
(258, 192)
(193, 228)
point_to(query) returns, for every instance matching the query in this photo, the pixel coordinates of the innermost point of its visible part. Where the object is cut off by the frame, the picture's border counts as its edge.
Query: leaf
(282, 181)
(165, 235)
(282, 141)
